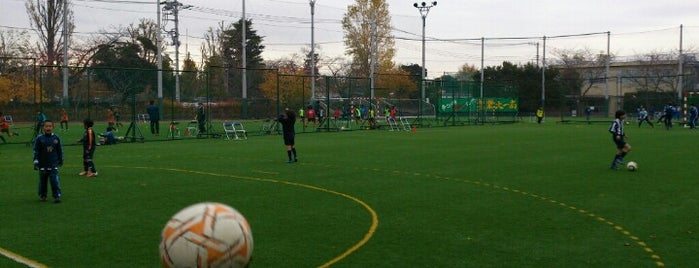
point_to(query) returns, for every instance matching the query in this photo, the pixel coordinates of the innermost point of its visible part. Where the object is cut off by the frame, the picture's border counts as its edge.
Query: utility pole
(313, 53)
(172, 8)
(159, 43)
(65, 99)
(244, 63)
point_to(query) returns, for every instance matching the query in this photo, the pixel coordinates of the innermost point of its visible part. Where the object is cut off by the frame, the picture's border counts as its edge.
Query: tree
(16, 71)
(291, 84)
(398, 81)
(231, 46)
(13, 47)
(213, 64)
(364, 22)
(501, 81)
(189, 80)
(581, 70)
(123, 71)
(145, 34)
(46, 17)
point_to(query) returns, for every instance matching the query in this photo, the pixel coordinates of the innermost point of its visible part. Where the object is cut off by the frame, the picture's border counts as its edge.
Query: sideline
(19, 259)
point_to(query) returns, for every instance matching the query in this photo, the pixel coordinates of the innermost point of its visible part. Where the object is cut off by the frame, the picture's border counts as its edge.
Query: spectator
(201, 118)
(154, 115)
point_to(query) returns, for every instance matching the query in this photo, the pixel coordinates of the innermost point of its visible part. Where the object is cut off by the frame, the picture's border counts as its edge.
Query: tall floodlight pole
(313, 53)
(66, 101)
(680, 71)
(606, 67)
(543, 75)
(424, 9)
(159, 43)
(244, 63)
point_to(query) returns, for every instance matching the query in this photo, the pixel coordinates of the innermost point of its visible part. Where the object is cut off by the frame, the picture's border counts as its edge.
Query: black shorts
(619, 143)
(288, 139)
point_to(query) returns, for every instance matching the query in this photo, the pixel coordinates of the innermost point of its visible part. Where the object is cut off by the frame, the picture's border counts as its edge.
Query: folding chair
(234, 130)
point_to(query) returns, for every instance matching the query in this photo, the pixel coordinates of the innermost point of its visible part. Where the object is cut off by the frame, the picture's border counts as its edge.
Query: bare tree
(145, 34)
(13, 45)
(46, 17)
(582, 69)
(654, 72)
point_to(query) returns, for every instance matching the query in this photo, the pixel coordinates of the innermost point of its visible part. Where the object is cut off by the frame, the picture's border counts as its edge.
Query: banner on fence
(470, 105)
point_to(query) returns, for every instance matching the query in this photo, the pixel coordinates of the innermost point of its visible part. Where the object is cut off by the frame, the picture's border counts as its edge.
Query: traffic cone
(414, 128)
(186, 132)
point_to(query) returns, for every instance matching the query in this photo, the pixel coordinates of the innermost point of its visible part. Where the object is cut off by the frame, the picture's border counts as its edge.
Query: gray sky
(453, 30)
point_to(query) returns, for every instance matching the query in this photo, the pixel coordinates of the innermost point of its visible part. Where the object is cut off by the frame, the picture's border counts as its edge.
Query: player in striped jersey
(618, 136)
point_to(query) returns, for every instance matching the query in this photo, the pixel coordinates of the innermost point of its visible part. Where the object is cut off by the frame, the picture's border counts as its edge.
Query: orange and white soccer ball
(206, 235)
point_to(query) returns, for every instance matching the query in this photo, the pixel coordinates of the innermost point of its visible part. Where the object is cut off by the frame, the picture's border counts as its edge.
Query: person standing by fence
(154, 115)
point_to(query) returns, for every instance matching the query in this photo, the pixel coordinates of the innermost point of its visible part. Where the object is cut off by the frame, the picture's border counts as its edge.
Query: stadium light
(424, 9)
(313, 55)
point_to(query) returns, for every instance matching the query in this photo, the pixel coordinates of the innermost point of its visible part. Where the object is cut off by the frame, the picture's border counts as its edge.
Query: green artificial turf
(515, 195)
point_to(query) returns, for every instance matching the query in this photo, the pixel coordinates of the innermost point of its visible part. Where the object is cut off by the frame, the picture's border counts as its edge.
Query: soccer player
(669, 111)
(693, 114)
(643, 116)
(5, 128)
(89, 145)
(618, 136)
(64, 120)
(48, 156)
(539, 115)
(288, 119)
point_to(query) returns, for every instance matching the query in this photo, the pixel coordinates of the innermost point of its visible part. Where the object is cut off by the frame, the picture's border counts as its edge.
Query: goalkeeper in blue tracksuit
(48, 156)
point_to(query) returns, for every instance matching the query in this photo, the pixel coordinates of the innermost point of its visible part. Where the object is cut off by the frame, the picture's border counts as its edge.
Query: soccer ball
(631, 166)
(206, 235)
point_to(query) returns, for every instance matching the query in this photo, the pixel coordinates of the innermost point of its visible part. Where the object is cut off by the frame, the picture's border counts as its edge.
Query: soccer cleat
(91, 174)
(615, 164)
(42, 198)
(82, 173)
(289, 162)
(296, 159)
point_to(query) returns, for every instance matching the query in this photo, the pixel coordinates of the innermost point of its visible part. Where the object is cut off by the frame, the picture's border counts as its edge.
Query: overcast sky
(511, 28)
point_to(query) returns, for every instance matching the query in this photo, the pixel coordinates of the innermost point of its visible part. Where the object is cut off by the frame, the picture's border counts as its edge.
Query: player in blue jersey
(643, 117)
(48, 156)
(618, 136)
